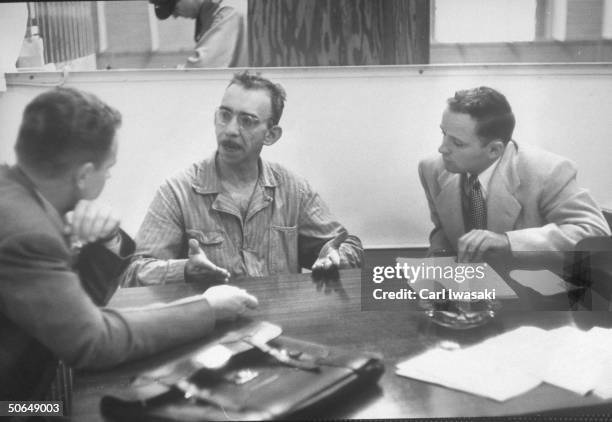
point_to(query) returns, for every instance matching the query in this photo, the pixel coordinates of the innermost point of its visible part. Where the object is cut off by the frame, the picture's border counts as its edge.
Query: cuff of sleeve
(175, 271)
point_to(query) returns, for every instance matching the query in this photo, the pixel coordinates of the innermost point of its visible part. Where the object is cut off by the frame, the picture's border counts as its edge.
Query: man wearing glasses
(234, 214)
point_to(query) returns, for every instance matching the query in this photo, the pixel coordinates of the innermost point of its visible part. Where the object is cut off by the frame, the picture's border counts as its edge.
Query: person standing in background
(220, 30)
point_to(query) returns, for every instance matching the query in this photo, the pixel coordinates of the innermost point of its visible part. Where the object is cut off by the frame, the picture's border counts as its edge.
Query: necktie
(478, 210)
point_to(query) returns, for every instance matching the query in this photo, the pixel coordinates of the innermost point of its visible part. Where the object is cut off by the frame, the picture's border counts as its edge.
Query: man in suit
(65, 149)
(490, 197)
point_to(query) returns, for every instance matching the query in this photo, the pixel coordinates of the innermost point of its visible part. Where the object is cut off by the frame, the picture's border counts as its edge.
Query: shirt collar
(485, 177)
(207, 179)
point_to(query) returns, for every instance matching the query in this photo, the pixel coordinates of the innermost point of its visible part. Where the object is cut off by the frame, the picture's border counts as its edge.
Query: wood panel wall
(338, 32)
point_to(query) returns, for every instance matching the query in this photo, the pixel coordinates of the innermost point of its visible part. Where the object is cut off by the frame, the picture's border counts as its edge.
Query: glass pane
(484, 20)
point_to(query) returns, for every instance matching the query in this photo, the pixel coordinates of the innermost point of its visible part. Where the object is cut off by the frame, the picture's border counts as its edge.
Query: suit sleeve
(40, 293)
(437, 239)
(569, 214)
(100, 268)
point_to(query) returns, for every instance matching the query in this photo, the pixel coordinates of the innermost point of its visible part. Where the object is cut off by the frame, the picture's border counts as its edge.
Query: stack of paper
(460, 371)
(544, 282)
(511, 364)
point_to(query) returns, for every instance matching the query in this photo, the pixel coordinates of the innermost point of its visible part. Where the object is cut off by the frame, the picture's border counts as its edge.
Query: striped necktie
(478, 210)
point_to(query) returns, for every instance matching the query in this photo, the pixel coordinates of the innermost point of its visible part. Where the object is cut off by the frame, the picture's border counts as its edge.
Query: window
(474, 21)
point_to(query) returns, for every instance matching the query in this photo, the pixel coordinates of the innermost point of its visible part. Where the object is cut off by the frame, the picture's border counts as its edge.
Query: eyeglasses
(245, 121)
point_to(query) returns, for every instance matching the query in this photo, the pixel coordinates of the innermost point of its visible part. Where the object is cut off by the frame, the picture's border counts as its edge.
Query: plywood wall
(338, 32)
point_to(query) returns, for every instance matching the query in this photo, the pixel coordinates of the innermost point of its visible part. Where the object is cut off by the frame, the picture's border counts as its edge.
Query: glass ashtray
(460, 315)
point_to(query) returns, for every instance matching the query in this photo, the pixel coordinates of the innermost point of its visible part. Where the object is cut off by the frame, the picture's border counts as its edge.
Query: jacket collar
(19, 176)
(502, 207)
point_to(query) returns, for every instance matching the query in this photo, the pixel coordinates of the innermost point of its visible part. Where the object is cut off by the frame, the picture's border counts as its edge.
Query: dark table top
(331, 314)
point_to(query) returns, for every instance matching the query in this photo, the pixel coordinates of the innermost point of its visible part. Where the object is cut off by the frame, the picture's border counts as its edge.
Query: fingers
(473, 246)
(91, 221)
(250, 301)
(194, 248)
(467, 246)
(100, 227)
(225, 274)
(329, 261)
(200, 268)
(334, 258)
(318, 265)
(229, 301)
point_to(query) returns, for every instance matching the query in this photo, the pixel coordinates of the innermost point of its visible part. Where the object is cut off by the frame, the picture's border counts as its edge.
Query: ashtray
(460, 315)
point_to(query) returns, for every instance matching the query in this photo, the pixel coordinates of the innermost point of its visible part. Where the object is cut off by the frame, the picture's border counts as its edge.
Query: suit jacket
(46, 313)
(532, 197)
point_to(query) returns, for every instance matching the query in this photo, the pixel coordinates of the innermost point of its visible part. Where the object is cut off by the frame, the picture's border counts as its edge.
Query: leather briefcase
(255, 377)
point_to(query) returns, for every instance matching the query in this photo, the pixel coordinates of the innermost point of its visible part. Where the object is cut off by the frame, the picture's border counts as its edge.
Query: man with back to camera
(234, 214)
(65, 149)
(490, 197)
(220, 30)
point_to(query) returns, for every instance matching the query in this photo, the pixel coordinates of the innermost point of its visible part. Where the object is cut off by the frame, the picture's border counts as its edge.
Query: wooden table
(334, 317)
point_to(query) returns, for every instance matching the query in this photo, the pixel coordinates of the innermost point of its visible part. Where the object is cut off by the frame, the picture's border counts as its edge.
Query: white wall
(355, 133)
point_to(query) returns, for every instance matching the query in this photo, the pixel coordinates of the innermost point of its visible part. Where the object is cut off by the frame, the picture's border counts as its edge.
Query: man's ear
(273, 135)
(82, 174)
(496, 148)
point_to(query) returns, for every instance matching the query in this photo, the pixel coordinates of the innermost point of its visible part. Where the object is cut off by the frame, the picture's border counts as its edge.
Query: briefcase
(244, 374)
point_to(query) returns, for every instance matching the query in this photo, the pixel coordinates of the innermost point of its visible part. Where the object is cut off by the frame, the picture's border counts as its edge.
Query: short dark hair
(65, 127)
(489, 108)
(277, 93)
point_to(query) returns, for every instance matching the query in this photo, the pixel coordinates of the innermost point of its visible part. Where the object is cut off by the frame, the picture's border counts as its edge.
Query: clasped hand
(473, 246)
(91, 221)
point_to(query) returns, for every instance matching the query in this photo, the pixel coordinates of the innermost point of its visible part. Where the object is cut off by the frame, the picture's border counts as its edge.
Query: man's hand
(200, 268)
(328, 260)
(92, 221)
(229, 302)
(472, 246)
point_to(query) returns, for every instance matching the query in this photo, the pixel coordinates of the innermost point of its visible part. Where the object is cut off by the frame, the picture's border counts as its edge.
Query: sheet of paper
(544, 282)
(460, 371)
(514, 362)
(603, 385)
(573, 362)
(466, 277)
(524, 349)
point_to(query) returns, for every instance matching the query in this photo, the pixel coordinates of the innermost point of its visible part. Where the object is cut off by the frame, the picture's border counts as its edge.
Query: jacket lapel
(448, 205)
(502, 207)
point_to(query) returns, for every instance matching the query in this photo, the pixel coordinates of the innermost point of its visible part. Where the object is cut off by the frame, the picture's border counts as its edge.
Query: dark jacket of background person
(46, 314)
